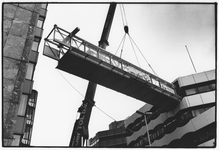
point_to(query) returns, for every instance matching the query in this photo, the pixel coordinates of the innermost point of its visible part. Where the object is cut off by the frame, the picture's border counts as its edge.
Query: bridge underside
(90, 68)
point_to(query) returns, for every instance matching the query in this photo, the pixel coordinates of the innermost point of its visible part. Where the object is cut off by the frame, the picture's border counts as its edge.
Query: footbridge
(83, 59)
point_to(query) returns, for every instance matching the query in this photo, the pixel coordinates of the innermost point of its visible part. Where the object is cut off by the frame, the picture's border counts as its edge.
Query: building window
(40, 22)
(212, 86)
(200, 89)
(29, 122)
(16, 140)
(30, 69)
(27, 133)
(31, 102)
(38, 32)
(25, 142)
(35, 46)
(30, 113)
(199, 111)
(43, 6)
(204, 89)
(191, 91)
(35, 43)
(22, 105)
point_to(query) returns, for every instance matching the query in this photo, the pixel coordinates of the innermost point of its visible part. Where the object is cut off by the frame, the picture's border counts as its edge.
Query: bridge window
(92, 52)
(155, 82)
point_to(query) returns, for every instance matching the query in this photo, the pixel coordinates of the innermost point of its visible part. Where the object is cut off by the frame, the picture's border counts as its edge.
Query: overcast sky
(161, 32)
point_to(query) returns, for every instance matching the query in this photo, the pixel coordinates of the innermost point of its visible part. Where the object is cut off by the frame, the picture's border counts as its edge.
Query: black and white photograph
(109, 74)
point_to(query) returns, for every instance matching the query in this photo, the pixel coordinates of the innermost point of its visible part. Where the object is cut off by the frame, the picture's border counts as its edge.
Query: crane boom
(80, 130)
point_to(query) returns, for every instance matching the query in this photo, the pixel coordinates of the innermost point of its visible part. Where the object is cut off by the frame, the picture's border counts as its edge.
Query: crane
(80, 131)
(81, 58)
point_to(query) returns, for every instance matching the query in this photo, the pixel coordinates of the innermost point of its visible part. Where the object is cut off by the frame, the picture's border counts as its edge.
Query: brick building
(22, 33)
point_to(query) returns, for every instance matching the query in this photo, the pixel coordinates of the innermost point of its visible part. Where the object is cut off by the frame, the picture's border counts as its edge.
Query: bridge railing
(64, 42)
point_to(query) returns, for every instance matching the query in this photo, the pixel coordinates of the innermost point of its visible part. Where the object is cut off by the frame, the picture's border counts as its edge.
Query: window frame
(40, 23)
(30, 73)
(14, 142)
(191, 91)
(35, 47)
(22, 108)
(30, 113)
(44, 6)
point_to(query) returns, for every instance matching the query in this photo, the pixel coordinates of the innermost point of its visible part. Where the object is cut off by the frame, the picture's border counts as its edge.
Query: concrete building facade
(22, 33)
(191, 123)
(114, 137)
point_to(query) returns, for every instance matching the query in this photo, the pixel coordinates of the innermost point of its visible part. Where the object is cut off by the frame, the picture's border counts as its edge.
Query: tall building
(189, 124)
(22, 33)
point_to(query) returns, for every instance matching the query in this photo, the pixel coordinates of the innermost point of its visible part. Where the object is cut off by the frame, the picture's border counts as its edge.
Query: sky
(160, 31)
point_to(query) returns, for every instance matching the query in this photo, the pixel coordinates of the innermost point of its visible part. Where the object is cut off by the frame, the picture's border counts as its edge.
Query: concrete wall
(197, 78)
(18, 33)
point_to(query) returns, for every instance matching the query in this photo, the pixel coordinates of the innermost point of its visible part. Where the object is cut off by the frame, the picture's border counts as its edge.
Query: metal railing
(62, 40)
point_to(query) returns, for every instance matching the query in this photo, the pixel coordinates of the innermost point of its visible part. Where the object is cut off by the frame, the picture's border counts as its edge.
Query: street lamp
(145, 119)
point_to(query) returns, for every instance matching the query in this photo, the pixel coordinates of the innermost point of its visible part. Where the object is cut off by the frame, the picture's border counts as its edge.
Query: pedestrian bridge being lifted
(83, 59)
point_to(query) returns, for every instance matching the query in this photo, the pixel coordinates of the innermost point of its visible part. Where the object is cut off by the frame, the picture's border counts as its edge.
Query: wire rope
(105, 113)
(84, 96)
(134, 51)
(143, 56)
(120, 44)
(70, 84)
(126, 29)
(125, 23)
(124, 15)
(94, 104)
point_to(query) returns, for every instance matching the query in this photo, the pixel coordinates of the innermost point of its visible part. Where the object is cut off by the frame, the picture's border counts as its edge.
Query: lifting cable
(92, 102)
(126, 29)
(134, 51)
(122, 41)
(124, 21)
(143, 56)
(84, 96)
